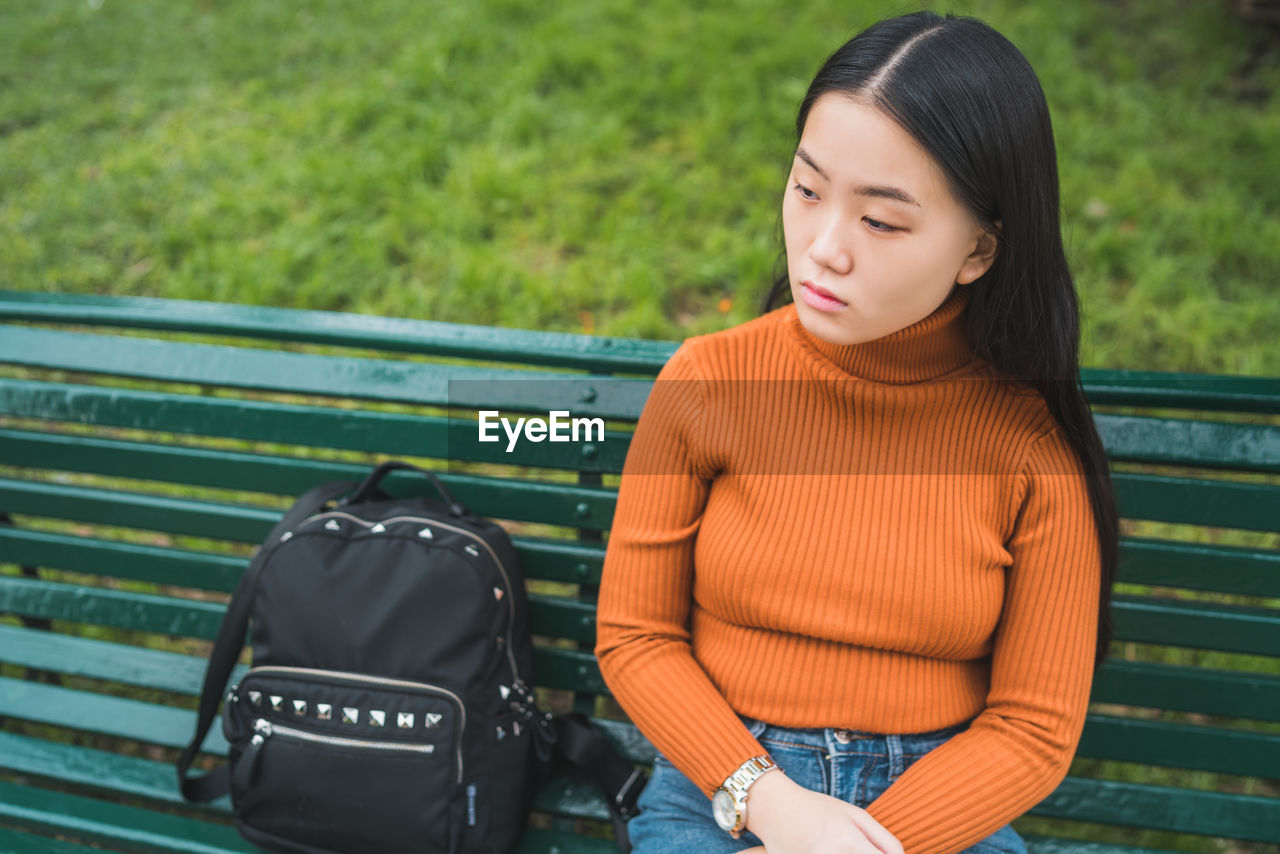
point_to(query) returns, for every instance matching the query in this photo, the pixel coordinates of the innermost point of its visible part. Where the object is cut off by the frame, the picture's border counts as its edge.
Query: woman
(858, 578)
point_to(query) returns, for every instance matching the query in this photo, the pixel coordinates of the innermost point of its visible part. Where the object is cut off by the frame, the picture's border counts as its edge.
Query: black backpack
(389, 705)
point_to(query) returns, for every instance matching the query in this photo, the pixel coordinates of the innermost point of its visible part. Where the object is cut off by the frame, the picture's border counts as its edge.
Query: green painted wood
(567, 670)
(1224, 569)
(310, 426)
(1197, 566)
(1229, 693)
(241, 523)
(1200, 625)
(549, 616)
(101, 770)
(135, 666)
(500, 498)
(117, 559)
(1209, 392)
(1231, 628)
(246, 472)
(1037, 844)
(560, 669)
(541, 558)
(1228, 815)
(104, 714)
(557, 349)
(129, 827)
(589, 352)
(1127, 438)
(1221, 504)
(1175, 441)
(101, 606)
(18, 842)
(1175, 745)
(389, 381)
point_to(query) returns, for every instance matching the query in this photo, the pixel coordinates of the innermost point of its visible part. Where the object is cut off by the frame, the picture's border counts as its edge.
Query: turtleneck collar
(930, 347)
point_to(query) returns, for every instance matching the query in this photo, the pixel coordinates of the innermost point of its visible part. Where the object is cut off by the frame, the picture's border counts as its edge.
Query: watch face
(723, 809)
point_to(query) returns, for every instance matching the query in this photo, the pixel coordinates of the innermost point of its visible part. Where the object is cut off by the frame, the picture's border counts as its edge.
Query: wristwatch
(729, 802)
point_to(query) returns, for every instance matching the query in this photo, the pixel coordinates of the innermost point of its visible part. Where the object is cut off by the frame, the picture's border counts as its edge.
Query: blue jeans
(852, 765)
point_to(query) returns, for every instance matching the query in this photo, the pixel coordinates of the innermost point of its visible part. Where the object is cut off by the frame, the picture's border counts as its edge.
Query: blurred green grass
(610, 167)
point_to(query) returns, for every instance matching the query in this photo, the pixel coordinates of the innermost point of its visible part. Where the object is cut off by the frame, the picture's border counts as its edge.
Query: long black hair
(966, 94)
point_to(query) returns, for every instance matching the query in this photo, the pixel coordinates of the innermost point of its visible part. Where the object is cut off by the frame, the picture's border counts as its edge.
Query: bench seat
(147, 445)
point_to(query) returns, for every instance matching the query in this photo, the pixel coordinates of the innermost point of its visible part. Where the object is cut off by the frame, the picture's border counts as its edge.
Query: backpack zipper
(374, 680)
(264, 729)
(511, 605)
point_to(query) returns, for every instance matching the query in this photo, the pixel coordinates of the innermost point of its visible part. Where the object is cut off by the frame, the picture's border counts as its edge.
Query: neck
(930, 347)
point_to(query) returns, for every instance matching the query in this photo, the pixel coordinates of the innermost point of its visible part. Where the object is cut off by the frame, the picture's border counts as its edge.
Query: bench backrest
(147, 445)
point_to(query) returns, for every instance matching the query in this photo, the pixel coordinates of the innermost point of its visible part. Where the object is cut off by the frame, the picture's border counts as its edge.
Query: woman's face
(888, 261)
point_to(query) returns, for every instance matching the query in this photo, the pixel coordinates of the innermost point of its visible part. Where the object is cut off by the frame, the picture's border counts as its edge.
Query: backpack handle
(368, 488)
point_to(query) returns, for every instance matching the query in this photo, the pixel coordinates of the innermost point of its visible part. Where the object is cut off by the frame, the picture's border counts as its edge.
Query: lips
(823, 291)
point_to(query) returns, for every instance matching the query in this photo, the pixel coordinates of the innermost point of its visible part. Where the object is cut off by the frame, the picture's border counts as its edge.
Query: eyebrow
(893, 193)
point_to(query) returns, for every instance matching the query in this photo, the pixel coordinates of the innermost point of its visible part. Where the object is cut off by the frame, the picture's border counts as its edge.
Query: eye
(806, 193)
(880, 226)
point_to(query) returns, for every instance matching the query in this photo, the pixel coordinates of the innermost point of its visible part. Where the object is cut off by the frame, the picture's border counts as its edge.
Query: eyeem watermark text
(539, 429)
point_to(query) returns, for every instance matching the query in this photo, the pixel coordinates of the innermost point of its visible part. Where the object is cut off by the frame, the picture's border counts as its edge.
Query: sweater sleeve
(1018, 749)
(646, 587)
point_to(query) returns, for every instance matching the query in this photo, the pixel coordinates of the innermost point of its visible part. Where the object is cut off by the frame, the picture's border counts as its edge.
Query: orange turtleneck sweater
(884, 536)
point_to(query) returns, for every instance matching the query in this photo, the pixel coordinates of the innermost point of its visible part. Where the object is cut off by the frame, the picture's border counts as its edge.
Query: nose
(829, 250)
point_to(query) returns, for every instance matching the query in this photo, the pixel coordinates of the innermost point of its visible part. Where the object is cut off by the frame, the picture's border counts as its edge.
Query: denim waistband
(834, 741)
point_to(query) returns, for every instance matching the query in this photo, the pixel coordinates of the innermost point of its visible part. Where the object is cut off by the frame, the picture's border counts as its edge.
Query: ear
(981, 257)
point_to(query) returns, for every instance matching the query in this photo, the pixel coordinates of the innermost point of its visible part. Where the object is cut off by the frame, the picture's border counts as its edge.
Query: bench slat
(347, 429)
(550, 616)
(1202, 625)
(249, 472)
(1218, 445)
(1228, 693)
(1164, 389)
(131, 665)
(18, 842)
(1205, 748)
(527, 347)
(1173, 441)
(385, 380)
(562, 669)
(98, 769)
(1218, 503)
(559, 349)
(146, 778)
(129, 827)
(118, 559)
(1231, 815)
(1200, 566)
(500, 498)
(104, 714)
(541, 558)
(1165, 441)
(1235, 570)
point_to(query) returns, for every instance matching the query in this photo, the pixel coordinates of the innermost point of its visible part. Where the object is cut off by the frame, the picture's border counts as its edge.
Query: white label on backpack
(471, 805)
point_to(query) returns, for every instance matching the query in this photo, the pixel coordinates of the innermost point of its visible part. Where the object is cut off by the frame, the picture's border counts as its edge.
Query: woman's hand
(790, 819)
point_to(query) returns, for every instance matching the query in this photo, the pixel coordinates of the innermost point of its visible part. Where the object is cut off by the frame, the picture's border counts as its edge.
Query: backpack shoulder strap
(231, 639)
(592, 756)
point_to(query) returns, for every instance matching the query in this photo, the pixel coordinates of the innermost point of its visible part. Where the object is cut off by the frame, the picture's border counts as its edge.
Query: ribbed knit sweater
(883, 536)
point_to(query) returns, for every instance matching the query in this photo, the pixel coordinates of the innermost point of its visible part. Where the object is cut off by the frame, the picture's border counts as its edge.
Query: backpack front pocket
(330, 761)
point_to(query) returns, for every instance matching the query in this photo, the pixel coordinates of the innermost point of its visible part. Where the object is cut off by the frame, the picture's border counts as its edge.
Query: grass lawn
(604, 166)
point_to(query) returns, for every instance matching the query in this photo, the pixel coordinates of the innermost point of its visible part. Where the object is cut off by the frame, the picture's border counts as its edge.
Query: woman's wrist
(763, 800)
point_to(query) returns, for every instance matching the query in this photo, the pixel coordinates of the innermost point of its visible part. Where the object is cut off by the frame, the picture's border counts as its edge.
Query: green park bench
(146, 445)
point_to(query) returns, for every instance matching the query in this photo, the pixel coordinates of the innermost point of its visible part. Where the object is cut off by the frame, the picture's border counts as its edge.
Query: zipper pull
(247, 766)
